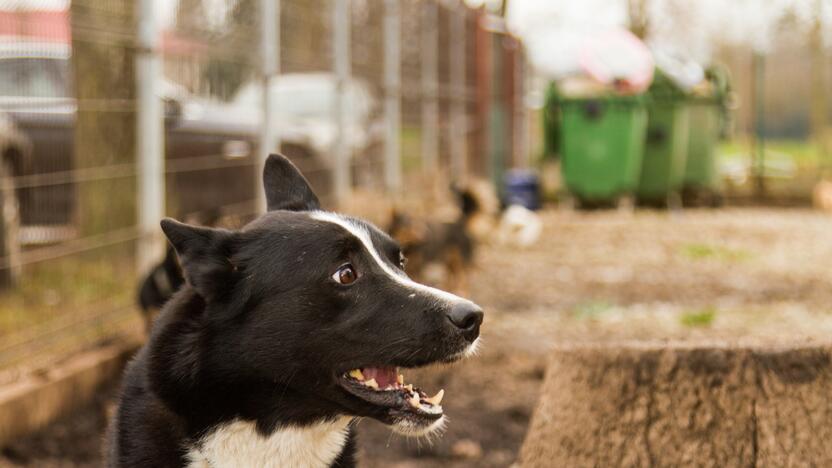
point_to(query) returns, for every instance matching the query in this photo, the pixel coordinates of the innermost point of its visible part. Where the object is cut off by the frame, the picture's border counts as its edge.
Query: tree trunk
(103, 49)
(683, 405)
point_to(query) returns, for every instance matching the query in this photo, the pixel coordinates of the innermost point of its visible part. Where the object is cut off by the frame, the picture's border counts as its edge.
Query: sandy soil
(728, 275)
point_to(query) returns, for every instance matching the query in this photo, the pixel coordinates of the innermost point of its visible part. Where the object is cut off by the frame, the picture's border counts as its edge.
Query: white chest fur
(238, 444)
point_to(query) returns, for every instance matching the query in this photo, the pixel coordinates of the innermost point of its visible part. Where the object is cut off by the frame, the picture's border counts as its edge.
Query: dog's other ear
(396, 218)
(286, 188)
(204, 255)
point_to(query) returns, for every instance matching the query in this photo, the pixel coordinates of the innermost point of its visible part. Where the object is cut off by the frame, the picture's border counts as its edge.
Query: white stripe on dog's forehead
(360, 232)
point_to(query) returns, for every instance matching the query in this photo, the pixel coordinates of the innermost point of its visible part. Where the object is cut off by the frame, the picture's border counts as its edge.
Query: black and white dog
(286, 332)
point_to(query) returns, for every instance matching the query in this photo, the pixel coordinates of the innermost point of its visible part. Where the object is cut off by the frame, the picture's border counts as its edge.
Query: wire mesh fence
(425, 93)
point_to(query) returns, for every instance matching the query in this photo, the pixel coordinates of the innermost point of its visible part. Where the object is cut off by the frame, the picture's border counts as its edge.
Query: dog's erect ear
(286, 188)
(466, 199)
(204, 254)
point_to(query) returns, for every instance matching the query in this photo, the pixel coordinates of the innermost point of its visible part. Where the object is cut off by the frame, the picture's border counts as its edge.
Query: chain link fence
(374, 98)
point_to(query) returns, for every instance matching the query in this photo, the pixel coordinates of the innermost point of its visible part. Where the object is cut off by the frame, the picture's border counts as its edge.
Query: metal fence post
(392, 98)
(270, 67)
(430, 73)
(520, 138)
(458, 130)
(341, 151)
(149, 139)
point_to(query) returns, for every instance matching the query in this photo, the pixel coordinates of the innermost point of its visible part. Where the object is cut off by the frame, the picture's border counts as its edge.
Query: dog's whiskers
(413, 353)
(394, 343)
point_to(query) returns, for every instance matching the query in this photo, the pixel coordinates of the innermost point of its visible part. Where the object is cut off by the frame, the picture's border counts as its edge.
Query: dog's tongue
(384, 376)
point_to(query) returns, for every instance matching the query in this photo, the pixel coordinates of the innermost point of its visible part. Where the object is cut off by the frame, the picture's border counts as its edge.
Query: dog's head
(319, 305)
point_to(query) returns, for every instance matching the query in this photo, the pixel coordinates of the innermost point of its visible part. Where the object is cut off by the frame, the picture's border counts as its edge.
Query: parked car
(304, 105)
(208, 143)
(208, 148)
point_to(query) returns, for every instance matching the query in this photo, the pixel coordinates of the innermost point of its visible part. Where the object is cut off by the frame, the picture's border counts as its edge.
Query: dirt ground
(730, 274)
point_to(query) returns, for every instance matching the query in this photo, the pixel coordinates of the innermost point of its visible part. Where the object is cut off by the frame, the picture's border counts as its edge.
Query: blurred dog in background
(440, 247)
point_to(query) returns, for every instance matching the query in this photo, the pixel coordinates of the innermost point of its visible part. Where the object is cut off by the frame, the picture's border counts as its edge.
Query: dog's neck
(238, 443)
(246, 424)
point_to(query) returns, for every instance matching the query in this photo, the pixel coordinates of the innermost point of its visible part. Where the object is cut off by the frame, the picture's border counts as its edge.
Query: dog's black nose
(466, 316)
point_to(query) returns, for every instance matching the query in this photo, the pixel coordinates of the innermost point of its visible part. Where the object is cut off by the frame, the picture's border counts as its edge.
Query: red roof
(44, 25)
(53, 26)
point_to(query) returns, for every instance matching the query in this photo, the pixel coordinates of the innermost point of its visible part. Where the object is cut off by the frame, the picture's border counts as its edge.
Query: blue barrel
(522, 188)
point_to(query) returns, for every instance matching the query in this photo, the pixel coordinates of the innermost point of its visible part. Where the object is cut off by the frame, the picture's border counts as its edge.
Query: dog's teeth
(371, 383)
(414, 401)
(400, 379)
(436, 399)
(356, 374)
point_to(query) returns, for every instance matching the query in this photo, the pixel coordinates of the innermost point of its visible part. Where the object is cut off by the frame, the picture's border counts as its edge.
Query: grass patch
(68, 285)
(698, 318)
(591, 309)
(714, 252)
(791, 168)
(802, 153)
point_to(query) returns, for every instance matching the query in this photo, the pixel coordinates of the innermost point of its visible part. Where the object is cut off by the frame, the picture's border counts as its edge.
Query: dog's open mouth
(385, 387)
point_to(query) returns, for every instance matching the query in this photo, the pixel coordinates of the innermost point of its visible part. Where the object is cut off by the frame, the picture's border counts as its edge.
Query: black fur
(159, 285)
(262, 333)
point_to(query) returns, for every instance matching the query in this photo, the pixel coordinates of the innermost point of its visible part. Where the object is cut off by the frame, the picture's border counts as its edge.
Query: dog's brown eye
(345, 275)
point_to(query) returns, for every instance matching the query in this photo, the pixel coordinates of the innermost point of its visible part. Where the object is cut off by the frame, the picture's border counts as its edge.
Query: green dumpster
(666, 148)
(551, 123)
(700, 179)
(708, 112)
(602, 142)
